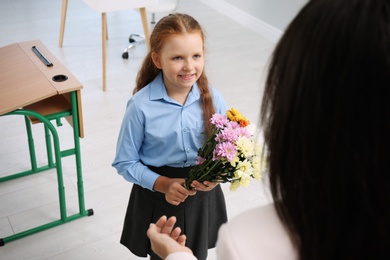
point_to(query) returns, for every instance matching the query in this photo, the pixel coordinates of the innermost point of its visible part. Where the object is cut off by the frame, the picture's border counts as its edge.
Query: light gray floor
(236, 61)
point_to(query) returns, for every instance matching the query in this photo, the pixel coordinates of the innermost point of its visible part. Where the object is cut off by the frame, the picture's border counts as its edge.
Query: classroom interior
(236, 64)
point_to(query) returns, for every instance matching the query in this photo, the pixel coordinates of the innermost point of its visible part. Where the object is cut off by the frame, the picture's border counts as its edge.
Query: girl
(163, 127)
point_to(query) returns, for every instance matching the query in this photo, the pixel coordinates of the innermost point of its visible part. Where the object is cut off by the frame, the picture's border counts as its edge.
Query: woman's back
(326, 117)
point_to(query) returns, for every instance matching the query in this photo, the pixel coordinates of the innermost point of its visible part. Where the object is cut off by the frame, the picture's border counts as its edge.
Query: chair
(102, 7)
(163, 6)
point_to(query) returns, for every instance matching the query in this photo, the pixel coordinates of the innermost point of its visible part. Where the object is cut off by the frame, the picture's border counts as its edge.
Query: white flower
(245, 180)
(235, 160)
(234, 185)
(245, 166)
(245, 145)
(243, 177)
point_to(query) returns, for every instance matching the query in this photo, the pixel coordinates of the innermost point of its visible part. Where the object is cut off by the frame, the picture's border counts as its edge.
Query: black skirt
(199, 217)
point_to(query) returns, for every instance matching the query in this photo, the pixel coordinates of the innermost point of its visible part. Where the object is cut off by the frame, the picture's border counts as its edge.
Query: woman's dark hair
(168, 26)
(326, 121)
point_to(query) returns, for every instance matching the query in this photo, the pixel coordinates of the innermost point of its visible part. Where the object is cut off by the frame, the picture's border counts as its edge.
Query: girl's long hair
(168, 26)
(326, 121)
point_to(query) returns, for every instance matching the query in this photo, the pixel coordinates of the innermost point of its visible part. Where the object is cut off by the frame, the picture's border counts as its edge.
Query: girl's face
(181, 61)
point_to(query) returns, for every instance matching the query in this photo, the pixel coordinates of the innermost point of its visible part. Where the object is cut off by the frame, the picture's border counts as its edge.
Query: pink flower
(233, 125)
(219, 120)
(245, 132)
(200, 160)
(225, 149)
(228, 135)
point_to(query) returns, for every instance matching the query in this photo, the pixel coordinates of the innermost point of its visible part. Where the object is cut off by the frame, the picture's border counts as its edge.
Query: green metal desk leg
(76, 136)
(49, 128)
(31, 147)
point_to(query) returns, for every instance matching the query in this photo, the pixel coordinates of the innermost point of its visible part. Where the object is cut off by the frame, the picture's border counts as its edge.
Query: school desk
(35, 85)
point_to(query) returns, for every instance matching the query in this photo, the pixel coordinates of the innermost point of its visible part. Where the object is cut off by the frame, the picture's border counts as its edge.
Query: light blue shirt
(157, 131)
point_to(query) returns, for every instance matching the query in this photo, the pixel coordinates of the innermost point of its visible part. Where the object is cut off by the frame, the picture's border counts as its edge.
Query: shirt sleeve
(127, 159)
(219, 102)
(226, 248)
(181, 256)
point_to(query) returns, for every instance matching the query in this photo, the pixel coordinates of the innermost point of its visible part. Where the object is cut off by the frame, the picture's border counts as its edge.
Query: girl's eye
(177, 58)
(197, 56)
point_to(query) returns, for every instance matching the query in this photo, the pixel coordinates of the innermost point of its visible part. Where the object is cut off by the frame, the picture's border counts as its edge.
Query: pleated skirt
(199, 217)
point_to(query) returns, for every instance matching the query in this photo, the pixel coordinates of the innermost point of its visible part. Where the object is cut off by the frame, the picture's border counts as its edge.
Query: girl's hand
(173, 188)
(176, 192)
(205, 186)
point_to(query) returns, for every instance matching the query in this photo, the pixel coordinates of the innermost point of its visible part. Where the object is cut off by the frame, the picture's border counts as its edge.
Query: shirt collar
(158, 91)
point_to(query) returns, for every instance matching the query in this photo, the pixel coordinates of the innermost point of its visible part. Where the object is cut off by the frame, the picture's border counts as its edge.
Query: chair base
(134, 39)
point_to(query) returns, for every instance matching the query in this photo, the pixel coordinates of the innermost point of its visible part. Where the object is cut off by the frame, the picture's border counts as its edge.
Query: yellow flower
(245, 167)
(245, 180)
(235, 160)
(245, 145)
(243, 177)
(234, 185)
(236, 116)
(259, 165)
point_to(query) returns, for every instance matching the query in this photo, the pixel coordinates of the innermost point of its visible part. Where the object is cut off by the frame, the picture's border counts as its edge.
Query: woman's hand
(204, 186)
(165, 239)
(173, 188)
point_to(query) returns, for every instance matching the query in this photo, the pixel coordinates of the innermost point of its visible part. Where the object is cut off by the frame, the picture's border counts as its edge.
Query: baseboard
(271, 33)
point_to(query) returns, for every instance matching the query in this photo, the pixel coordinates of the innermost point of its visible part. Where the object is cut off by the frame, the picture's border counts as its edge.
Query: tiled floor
(236, 61)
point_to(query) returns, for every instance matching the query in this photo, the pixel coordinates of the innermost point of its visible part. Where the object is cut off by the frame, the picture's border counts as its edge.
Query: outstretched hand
(165, 239)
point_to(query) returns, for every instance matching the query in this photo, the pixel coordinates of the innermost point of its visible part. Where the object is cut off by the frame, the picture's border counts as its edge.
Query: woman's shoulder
(256, 234)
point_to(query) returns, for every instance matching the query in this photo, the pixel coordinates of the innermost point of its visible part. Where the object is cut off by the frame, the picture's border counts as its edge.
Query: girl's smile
(181, 61)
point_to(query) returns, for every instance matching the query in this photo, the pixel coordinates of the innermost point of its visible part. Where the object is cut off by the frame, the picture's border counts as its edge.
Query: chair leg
(104, 46)
(63, 20)
(145, 25)
(153, 21)
(143, 38)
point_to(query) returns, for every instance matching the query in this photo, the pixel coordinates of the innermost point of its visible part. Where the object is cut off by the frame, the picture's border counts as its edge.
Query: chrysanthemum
(200, 160)
(225, 149)
(219, 120)
(236, 116)
(245, 180)
(245, 145)
(243, 177)
(227, 135)
(235, 160)
(245, 166)
(234, 185)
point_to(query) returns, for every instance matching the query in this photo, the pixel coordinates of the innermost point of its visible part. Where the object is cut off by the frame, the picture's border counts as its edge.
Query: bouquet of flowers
(229, 154)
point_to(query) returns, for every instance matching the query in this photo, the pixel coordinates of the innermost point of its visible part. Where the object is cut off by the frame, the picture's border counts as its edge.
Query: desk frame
(51, 129)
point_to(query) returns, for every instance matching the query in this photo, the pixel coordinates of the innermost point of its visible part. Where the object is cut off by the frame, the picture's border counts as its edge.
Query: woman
(326, 121)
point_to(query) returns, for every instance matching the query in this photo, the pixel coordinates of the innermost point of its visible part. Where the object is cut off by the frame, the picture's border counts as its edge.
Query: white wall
(269, 17)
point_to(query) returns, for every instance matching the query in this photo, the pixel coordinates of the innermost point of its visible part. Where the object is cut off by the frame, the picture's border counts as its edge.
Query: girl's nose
(188, 65)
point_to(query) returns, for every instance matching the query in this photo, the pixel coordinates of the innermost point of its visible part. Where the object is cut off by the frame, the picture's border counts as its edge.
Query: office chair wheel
(125, 55)
(133, 38)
